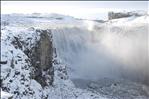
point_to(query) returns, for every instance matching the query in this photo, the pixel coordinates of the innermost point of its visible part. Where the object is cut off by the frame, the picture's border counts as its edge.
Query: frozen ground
(115, 88)
(5, 95)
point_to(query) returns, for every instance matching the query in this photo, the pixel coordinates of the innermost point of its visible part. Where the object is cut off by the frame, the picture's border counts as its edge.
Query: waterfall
(106, 50)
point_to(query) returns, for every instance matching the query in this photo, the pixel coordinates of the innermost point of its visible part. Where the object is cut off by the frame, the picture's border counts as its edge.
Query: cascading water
(108, 50)
(111, 52)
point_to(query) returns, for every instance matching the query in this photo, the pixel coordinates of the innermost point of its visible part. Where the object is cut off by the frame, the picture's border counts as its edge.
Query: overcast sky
(80, 9)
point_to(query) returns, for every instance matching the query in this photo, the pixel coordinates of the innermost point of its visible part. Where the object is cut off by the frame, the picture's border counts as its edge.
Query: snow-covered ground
(5, 95)
(87, 49)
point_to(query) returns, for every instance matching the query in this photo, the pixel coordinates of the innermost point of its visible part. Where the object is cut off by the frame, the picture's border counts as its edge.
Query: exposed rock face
(41, 59)
(32, 65)
(40, 55)
(113, 15)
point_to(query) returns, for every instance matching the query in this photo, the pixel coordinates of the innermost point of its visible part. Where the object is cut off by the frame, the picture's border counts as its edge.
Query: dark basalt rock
(40, 56)
(16, 42)
(41, 59)
(113, 15)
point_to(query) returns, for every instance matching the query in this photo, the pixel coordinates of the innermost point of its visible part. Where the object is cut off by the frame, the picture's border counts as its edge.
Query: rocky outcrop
(40, 55)
(113, 15)
(41, 59)
(33, 69)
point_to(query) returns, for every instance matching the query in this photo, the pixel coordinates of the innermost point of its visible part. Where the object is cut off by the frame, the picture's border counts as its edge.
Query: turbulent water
(110, 59)
(105, 51)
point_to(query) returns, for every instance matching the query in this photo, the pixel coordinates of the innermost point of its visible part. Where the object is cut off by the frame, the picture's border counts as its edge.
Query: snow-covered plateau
(52, 56)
